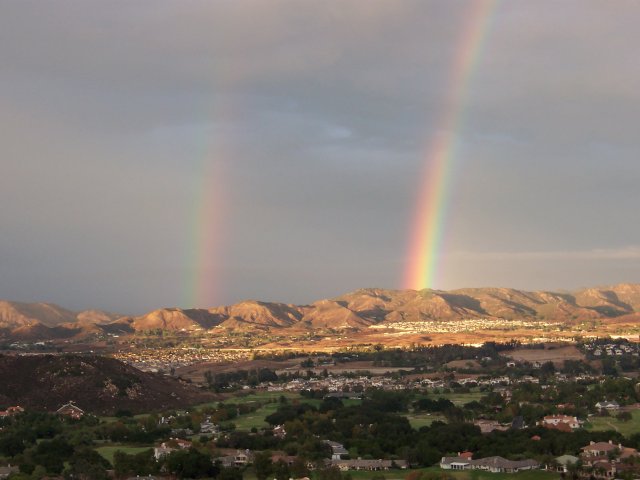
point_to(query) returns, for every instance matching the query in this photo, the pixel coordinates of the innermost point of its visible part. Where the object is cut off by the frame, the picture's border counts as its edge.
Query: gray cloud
(319, 114)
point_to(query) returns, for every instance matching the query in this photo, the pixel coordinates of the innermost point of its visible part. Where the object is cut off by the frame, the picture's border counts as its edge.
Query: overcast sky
(196, 153)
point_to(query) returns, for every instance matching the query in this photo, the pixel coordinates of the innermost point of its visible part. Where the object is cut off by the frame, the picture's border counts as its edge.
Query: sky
(198, 153)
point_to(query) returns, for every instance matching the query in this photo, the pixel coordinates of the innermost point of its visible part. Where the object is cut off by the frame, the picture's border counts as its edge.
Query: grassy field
(612, 423)
(270, 401)
(459, 399)
(256, 419)
(108, 451)
(423, 419)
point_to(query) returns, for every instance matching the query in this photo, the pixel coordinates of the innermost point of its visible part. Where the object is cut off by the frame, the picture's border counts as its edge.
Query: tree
(142, 463)
(190, 464)
(263, 464)
(329, 473)
(281, 470)
(624, 416)
(87, 464)
(299, 469)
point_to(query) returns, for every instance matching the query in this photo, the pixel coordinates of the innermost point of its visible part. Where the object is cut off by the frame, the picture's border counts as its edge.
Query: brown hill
(258, 315)
(18, 314)
(45, 321)
(169, 319)
(333, 314)
(96, 384)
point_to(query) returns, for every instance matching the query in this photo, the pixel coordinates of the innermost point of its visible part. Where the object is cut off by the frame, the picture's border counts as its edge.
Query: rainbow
(428, 227)
(210, 209)
(201, 288)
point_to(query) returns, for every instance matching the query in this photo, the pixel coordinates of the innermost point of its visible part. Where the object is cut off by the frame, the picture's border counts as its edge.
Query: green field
(459, 399)
(612, 423)
(108, 451)
(256, 419)
(423, 419)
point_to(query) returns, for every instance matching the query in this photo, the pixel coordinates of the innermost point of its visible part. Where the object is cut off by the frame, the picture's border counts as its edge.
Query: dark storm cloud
(321, 113)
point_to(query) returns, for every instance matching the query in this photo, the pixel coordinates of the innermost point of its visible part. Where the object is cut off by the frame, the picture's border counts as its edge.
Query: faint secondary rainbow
(428, 227)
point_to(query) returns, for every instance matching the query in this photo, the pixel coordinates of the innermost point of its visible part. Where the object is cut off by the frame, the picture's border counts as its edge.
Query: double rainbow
(428, 227)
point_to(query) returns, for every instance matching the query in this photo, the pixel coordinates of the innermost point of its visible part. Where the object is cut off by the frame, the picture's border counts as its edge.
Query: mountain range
(354, 311)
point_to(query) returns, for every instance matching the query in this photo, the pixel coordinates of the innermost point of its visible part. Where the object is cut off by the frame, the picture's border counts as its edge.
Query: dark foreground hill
(98, 385)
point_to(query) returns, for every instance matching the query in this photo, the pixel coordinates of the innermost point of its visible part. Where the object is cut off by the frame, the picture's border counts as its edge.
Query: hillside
(354, 311)
(98, 385)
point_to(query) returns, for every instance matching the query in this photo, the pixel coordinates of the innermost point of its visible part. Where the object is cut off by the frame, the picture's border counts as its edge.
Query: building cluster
(165, 448)
(613, 349)
(465, 461)
(340, 383)
(564, 423)
(463, 326)
(597, 460)
(609, 460)
(608, 406)
(165, 359)
(241, 458)
(70, 410)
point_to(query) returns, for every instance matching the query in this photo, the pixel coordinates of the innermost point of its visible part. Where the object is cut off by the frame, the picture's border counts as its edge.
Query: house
(607, 459)
(242, 458)
(490, 464)
(162, 451)
(502, 465)
(455, 463)
(70, 410)
(563, 462)
(279, 431)
(172, 445)
(488, 426)
(369, 465)
(599, 449)
(207, 426)
(166, 420)
(337, 450)
(238, 459)
(612, 406)
(8, 470)
(180, 443)
(11, 412)
(564, 423)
